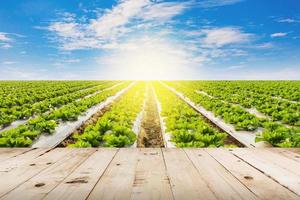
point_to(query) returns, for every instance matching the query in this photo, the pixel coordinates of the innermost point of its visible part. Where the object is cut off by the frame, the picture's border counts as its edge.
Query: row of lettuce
(25, 135)
(64, 96)
(115, 127)
(277, 134)
(12, 94)
(187, 127)
(253, 94)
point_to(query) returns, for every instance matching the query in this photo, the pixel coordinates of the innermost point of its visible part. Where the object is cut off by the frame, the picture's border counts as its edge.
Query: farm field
(150, 99)
(149, 114)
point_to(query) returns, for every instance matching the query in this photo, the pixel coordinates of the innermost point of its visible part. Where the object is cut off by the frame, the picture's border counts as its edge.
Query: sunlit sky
(150, 39)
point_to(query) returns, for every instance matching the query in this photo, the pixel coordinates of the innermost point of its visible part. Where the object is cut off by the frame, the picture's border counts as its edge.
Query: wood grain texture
(154, 173)
(256, 181)
(185, 179)
(38, 186)
(13, 178)
(218, 178)
(7, 153)
(264, 164)
(80, 183)
(118, 179)
(151, 180)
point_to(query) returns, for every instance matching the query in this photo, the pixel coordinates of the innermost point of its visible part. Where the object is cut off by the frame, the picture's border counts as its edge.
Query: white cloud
(112, 24)
(72, 61)
(4, 37)
(5, 46)
(218, 37)
(65, 29)
(163, 11)
(114, 20)
(217, 3)
(279, 34)
(138, 39)
(266, 45)
(5, 41)
(289, 20)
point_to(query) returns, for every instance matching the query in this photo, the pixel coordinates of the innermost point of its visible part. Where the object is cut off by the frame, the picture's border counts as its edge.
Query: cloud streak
(289, 20)
(217, 3)
(5, 41)
(279, 34)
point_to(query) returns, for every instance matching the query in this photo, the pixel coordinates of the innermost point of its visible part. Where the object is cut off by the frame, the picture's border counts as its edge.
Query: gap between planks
(151, 174)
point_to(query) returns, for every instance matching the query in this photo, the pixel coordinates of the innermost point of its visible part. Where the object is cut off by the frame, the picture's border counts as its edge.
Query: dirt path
(150, 134)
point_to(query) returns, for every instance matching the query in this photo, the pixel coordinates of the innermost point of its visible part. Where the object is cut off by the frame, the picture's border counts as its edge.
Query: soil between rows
(150, 135)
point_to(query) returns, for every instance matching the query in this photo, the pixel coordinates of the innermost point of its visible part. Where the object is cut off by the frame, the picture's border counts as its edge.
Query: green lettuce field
(178, 113)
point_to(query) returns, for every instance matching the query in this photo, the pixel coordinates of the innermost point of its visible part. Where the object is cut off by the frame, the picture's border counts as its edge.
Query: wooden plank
(6, 153)
(281, 175)
(185, 179)
(295, 150)
(260, 184)
(279, 160)
(80, 183)
(14, 178)
(151, 180)
(220, 181)
(20, 160)
(38, 186)
(117, 181)
(287, 153)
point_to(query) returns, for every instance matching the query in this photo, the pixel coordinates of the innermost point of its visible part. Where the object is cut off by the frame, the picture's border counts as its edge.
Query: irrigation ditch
(150, 134)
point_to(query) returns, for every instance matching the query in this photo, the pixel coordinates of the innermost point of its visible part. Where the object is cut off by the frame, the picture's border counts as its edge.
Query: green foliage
(187, 127)
(228, 100)
(114, 128)
(46, 123)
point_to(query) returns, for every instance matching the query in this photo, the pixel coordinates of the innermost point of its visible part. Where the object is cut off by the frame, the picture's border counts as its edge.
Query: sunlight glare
(147, 60)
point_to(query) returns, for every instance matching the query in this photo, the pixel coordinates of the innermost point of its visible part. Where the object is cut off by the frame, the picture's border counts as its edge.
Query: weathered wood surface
(149, 173)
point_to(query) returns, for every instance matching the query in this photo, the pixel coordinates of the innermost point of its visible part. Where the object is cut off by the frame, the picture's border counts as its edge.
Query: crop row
(187, 126)
(27, 86)
(8, 115)
(274, 133)
(115, 127)
(24, 135)
(235, 115)
(289, 90)
(276, 109)
(16, 97)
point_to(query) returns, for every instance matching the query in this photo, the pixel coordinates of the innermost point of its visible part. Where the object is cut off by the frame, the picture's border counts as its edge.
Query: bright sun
(146, 59)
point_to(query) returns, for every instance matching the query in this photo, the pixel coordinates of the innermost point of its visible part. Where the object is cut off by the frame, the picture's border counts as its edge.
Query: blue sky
(150, 39)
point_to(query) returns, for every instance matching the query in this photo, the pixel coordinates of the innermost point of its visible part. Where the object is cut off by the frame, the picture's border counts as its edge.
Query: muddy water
(150, 135)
